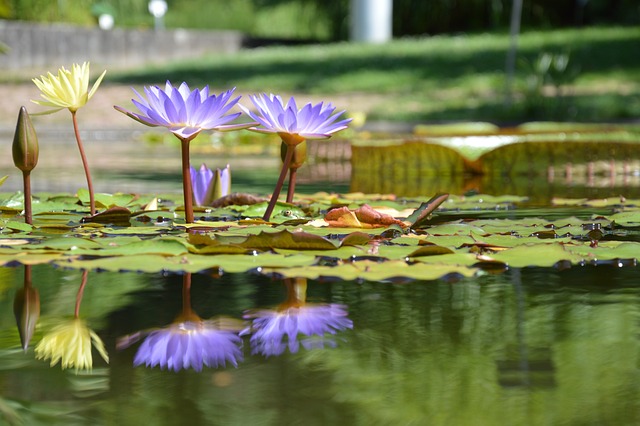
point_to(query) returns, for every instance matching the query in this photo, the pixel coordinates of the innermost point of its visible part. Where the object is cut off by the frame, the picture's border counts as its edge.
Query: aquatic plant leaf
(107, 200)
(65, 243)
(190, 262)
(431, 250)
(117, 216)
(29, 258)
(455, 229)
(343, 253)
(288, 240)
(355, 239)
(546, 255)
(608, 250)
(161, 246)
(420, 217)
(626, 219)
(374, 271)
(18, 226)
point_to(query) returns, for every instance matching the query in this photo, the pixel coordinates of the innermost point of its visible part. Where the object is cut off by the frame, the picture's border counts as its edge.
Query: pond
(503, 345)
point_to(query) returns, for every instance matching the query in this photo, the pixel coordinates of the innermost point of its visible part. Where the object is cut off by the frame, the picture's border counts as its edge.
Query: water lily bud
(25, 143)
(221, 183)
(299, 155)
(26, 308)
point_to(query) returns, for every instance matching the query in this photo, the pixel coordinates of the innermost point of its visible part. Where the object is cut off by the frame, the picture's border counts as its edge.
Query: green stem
(85, 274)
(92, 201)
(186, 181)
(26, 180)
(293, 172)
(276, 191)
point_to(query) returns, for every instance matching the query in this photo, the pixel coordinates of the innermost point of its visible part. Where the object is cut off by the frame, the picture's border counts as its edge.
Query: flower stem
(85, 274)
(92, 201)
(186, 182)
(293, 172)
(26, 180)
(276, 191)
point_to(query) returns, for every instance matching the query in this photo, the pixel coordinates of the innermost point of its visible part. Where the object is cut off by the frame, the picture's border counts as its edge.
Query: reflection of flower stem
(85, 273)
(92, 201)
(27, 276)
(296, 293)
(186, 292)
(186, 181)
(283, 174)
(28, 215)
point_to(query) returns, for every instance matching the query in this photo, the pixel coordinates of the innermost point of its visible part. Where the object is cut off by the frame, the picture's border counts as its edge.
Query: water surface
(534, 346)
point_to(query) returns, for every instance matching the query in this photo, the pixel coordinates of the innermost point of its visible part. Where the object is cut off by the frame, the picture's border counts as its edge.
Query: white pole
(371, 20)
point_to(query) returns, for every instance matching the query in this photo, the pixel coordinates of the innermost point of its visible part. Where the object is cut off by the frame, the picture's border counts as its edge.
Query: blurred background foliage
(326, 20)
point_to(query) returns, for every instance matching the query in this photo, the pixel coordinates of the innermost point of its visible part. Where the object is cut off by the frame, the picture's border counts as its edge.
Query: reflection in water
(69, 341)
(189, 342)
(293, 317)
(535, 346)
(26, 308)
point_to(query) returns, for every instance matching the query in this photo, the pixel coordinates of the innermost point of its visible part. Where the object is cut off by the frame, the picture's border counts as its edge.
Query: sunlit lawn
(437, 78)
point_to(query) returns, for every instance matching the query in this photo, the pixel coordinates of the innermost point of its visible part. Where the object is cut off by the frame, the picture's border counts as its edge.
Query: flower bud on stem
(25, 156)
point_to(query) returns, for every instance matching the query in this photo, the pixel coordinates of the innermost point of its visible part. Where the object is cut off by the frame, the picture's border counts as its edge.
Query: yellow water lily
(69, 89)
(70, 343)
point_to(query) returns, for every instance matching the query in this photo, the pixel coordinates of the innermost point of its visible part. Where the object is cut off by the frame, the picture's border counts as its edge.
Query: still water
(533, 346)
(526, 347)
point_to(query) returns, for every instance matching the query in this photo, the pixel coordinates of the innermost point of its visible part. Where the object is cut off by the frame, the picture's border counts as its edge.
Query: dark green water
(526, 347)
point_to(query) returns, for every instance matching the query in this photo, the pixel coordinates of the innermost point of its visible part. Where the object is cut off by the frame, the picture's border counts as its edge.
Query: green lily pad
(546, 255)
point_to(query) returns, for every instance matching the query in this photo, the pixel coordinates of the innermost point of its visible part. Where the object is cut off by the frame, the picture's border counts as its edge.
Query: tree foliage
(329, 19)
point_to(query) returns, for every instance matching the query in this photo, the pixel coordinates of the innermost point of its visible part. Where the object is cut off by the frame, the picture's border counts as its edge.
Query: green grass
(436, 78)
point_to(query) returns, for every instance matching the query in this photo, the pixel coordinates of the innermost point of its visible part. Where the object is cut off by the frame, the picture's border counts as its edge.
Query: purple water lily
(185, 113)
(294, 126)
(275, 330)
(209, 185)
(189, 344)
(309, 122)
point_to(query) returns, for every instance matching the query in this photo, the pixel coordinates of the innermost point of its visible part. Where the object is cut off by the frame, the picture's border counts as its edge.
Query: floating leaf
(536, 255)
(432, 250)
(18, 226)
(373, 271)
(288, 240)
(118, 216)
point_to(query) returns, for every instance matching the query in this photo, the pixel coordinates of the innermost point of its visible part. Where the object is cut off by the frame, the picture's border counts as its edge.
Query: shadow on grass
(604, 107)
(402, 66)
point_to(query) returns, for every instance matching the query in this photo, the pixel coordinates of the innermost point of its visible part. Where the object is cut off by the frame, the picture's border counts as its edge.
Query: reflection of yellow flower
(70, 343)
(69, 89)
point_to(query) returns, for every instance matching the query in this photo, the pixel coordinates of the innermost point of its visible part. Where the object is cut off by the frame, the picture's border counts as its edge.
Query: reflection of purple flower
(269, 327)
(308, 122)
(189, 344)
(209, 185)
(183, 111)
